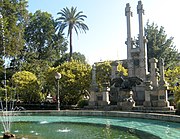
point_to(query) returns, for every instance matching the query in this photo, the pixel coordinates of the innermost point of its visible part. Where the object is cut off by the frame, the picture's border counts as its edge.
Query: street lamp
(57, 77)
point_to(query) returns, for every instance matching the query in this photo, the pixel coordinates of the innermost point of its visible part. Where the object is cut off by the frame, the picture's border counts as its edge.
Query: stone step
(154, 108)
(162, 110)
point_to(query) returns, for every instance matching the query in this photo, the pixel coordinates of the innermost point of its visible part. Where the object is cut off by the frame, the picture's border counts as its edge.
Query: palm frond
(71, 19)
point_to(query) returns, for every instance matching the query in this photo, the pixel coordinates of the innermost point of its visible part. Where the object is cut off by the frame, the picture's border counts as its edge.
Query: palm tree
(71, 19)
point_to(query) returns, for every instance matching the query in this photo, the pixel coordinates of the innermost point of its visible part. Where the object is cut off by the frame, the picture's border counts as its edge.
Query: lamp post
(57, 77)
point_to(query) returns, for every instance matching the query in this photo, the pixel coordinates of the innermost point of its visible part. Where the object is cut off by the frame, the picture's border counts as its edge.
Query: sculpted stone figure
(126, 83)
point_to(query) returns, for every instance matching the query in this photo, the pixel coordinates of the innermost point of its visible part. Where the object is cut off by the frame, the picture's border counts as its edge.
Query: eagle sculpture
(126, 83)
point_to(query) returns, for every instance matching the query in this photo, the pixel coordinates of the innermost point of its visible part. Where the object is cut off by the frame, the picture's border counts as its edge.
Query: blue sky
(106, 20)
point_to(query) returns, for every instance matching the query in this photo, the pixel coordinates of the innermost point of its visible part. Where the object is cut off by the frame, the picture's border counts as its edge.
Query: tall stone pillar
(148, 91)
(163, 87)
(94, 88)
(142, 44)
(154, 74)
(93, 82)
(114, 69)
(128, 15)
(162, 81)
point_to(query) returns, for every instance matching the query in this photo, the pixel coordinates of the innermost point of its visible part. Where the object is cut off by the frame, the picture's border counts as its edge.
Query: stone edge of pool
(153, 116)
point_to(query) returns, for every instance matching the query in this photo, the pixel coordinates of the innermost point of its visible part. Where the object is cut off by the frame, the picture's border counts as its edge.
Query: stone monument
(153, 91)
(98, 98)
(136, 52)
(156, 95)
(122, 86)
(147, 89)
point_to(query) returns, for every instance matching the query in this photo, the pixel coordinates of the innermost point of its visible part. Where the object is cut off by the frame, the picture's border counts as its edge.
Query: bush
(82, 103)
(172, 102)
(178, 105)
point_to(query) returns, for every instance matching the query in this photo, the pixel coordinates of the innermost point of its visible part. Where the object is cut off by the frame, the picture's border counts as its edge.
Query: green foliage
(172, 77)
(159, 46)
(122, 70)
(103, 72)
(178, 105)
(75, 56)
(27, 86)
(79, 57)
(14, 15)
(39, 68)
(82, 103)
(71, 19)
(177, 94)
(7, 89)
(42, 41)
(75, 81)
(1, 70)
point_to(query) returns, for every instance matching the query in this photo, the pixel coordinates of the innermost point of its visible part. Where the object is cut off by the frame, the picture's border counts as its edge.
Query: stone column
(162, 81)
(163, 86)
(154, 74)
(140, 12)
(148, 91)
(128, 15)
(142, 41)
(94, 85)
(104, 95)
(94, 88)
(114, 69)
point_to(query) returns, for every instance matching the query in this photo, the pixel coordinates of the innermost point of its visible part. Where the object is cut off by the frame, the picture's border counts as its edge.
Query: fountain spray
(6, 116)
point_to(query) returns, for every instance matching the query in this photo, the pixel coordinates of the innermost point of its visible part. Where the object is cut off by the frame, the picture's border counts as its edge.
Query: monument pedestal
(92, 99)
(163, 103)
(126, 105)
(126, 101)
(102, 103)
(92, 103)
(147, 102)
(99, 99)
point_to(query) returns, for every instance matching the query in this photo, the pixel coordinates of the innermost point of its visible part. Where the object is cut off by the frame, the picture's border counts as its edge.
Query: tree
(71, 19)
(14, 15)
(1, 70)
(122, 71)
(27, 86)
(42, 42)
(75, 56)
(173, 79)
(75, 81)
(39, 68)
(43, 45)
(103, 72)
(159, 46)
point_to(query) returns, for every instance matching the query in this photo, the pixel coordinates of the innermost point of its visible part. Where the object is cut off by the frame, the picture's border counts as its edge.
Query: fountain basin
(63, 123)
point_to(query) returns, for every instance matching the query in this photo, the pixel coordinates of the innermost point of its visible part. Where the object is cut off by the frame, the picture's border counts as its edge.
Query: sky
(106, 20)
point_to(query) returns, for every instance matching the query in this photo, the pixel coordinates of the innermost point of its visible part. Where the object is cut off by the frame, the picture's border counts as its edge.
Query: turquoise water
(67, 127)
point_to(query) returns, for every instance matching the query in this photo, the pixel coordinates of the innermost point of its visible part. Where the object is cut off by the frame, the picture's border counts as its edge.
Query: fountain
(7, 112)
(93, 124)
(6, 119)
(84, 124)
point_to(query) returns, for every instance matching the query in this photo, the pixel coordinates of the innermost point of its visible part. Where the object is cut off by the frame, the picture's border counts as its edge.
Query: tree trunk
(70, 53)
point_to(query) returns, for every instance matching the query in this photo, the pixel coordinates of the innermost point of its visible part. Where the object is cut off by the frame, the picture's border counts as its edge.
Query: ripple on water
(63, 130)
(44, 122)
